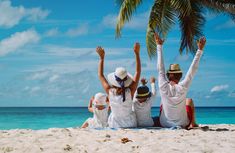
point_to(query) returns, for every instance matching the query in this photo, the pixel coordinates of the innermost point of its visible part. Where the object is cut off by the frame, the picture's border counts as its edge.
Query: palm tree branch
(183, 6)
(128, 7)
(219, 6)
(162, 18)
(191, 28)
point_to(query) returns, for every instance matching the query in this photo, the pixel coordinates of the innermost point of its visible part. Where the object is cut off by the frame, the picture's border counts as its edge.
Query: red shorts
(188, 110)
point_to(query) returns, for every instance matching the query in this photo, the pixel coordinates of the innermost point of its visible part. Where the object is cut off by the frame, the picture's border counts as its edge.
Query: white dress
(100, 118)
(122, 115)
(143, 110)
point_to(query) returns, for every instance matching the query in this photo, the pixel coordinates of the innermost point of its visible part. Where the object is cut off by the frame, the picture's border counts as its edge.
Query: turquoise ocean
(63, 117)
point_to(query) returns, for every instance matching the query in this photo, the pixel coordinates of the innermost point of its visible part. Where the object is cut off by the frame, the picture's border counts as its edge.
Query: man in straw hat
(176, 109)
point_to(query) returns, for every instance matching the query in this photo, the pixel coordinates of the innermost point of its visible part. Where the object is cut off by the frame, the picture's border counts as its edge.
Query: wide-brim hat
(174, 68)
(143, 92)
(100, 99)
(120, 73)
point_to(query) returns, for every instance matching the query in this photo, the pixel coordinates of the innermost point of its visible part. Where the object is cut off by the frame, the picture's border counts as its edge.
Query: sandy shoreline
(218, 138)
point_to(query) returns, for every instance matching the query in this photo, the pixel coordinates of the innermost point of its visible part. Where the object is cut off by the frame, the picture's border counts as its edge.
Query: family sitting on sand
(130, 106)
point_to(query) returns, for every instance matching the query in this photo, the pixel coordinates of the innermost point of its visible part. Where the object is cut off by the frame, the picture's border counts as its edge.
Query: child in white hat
(143, 103)
(98, 106)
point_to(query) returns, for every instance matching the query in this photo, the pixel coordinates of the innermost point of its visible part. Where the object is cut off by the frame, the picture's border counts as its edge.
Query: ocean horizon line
(86, 107)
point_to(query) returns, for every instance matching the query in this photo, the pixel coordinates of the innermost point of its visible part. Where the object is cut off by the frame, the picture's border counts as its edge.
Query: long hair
(119, 91)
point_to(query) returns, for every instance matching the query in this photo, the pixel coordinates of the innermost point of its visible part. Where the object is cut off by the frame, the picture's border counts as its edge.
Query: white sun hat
(120, 74)
(100, 99)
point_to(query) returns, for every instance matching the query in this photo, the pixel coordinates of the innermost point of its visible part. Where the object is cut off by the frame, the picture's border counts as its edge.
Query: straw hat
(100, 99)
(120, 74)
(143, 92)
(174, 68)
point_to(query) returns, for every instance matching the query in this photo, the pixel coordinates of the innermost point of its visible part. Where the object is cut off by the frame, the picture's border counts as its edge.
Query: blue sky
(48, 58)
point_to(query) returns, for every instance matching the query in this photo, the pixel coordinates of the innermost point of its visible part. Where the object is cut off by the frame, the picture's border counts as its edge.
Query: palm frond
(161, 19)
(191, 28)
(232, 16)
(219, 6)
(183, 6)
(150, 42)
(128, 7)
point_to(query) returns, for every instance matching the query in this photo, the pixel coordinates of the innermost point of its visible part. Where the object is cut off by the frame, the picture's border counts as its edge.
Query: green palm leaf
(128, 7)
(183, 6)
(191, 27)
(164, 13)
(161, 19)
(219, 6)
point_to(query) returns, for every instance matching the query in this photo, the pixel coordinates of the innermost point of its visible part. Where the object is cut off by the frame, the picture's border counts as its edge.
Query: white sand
(218, 138)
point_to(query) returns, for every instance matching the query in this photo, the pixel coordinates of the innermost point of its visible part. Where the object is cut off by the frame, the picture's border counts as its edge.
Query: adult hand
(201, 43)
(158, 40)
(137, 48)
(100, 52)
(152, 80)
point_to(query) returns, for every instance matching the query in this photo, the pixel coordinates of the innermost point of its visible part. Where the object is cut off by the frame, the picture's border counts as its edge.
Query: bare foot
(192, 126)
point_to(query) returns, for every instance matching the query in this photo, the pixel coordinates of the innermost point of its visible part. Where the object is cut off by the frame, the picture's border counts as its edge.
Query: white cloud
(52, 32)
(219, 88)
(110, 20)
(64, 51)
(35, 89)
(138, 21)
(38, 75)
(72, 32)
(78, 31)
(53, 78)
(36, 14)
(12, 15)
(227, 25)
(18, 40)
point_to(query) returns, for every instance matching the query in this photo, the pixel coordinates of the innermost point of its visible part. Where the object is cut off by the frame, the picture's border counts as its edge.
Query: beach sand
(217, 138)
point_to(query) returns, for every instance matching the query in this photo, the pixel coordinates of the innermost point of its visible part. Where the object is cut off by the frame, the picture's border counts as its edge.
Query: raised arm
(153, 86)
(101, 76)
(194, 66)
(90, 108)
(162, 81)
(138, 69)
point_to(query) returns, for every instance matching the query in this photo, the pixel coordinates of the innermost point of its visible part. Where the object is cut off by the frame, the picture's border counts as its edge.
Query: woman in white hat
(98, 106)
(120, 89)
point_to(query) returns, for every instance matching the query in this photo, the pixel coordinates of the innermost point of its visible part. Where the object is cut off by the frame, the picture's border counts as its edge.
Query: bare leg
(190, 103)
(84, 125)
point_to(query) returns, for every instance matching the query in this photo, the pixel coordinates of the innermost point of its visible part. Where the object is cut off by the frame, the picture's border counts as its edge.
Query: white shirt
(143, 110)
(122, 115)
(100, 118)
(173, 97)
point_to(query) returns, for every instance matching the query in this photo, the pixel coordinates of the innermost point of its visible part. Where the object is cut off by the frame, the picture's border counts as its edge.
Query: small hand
(201, 43)
(143, 81)
(137, 48)
(100, 51)
(159, 41)
(152, 80)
